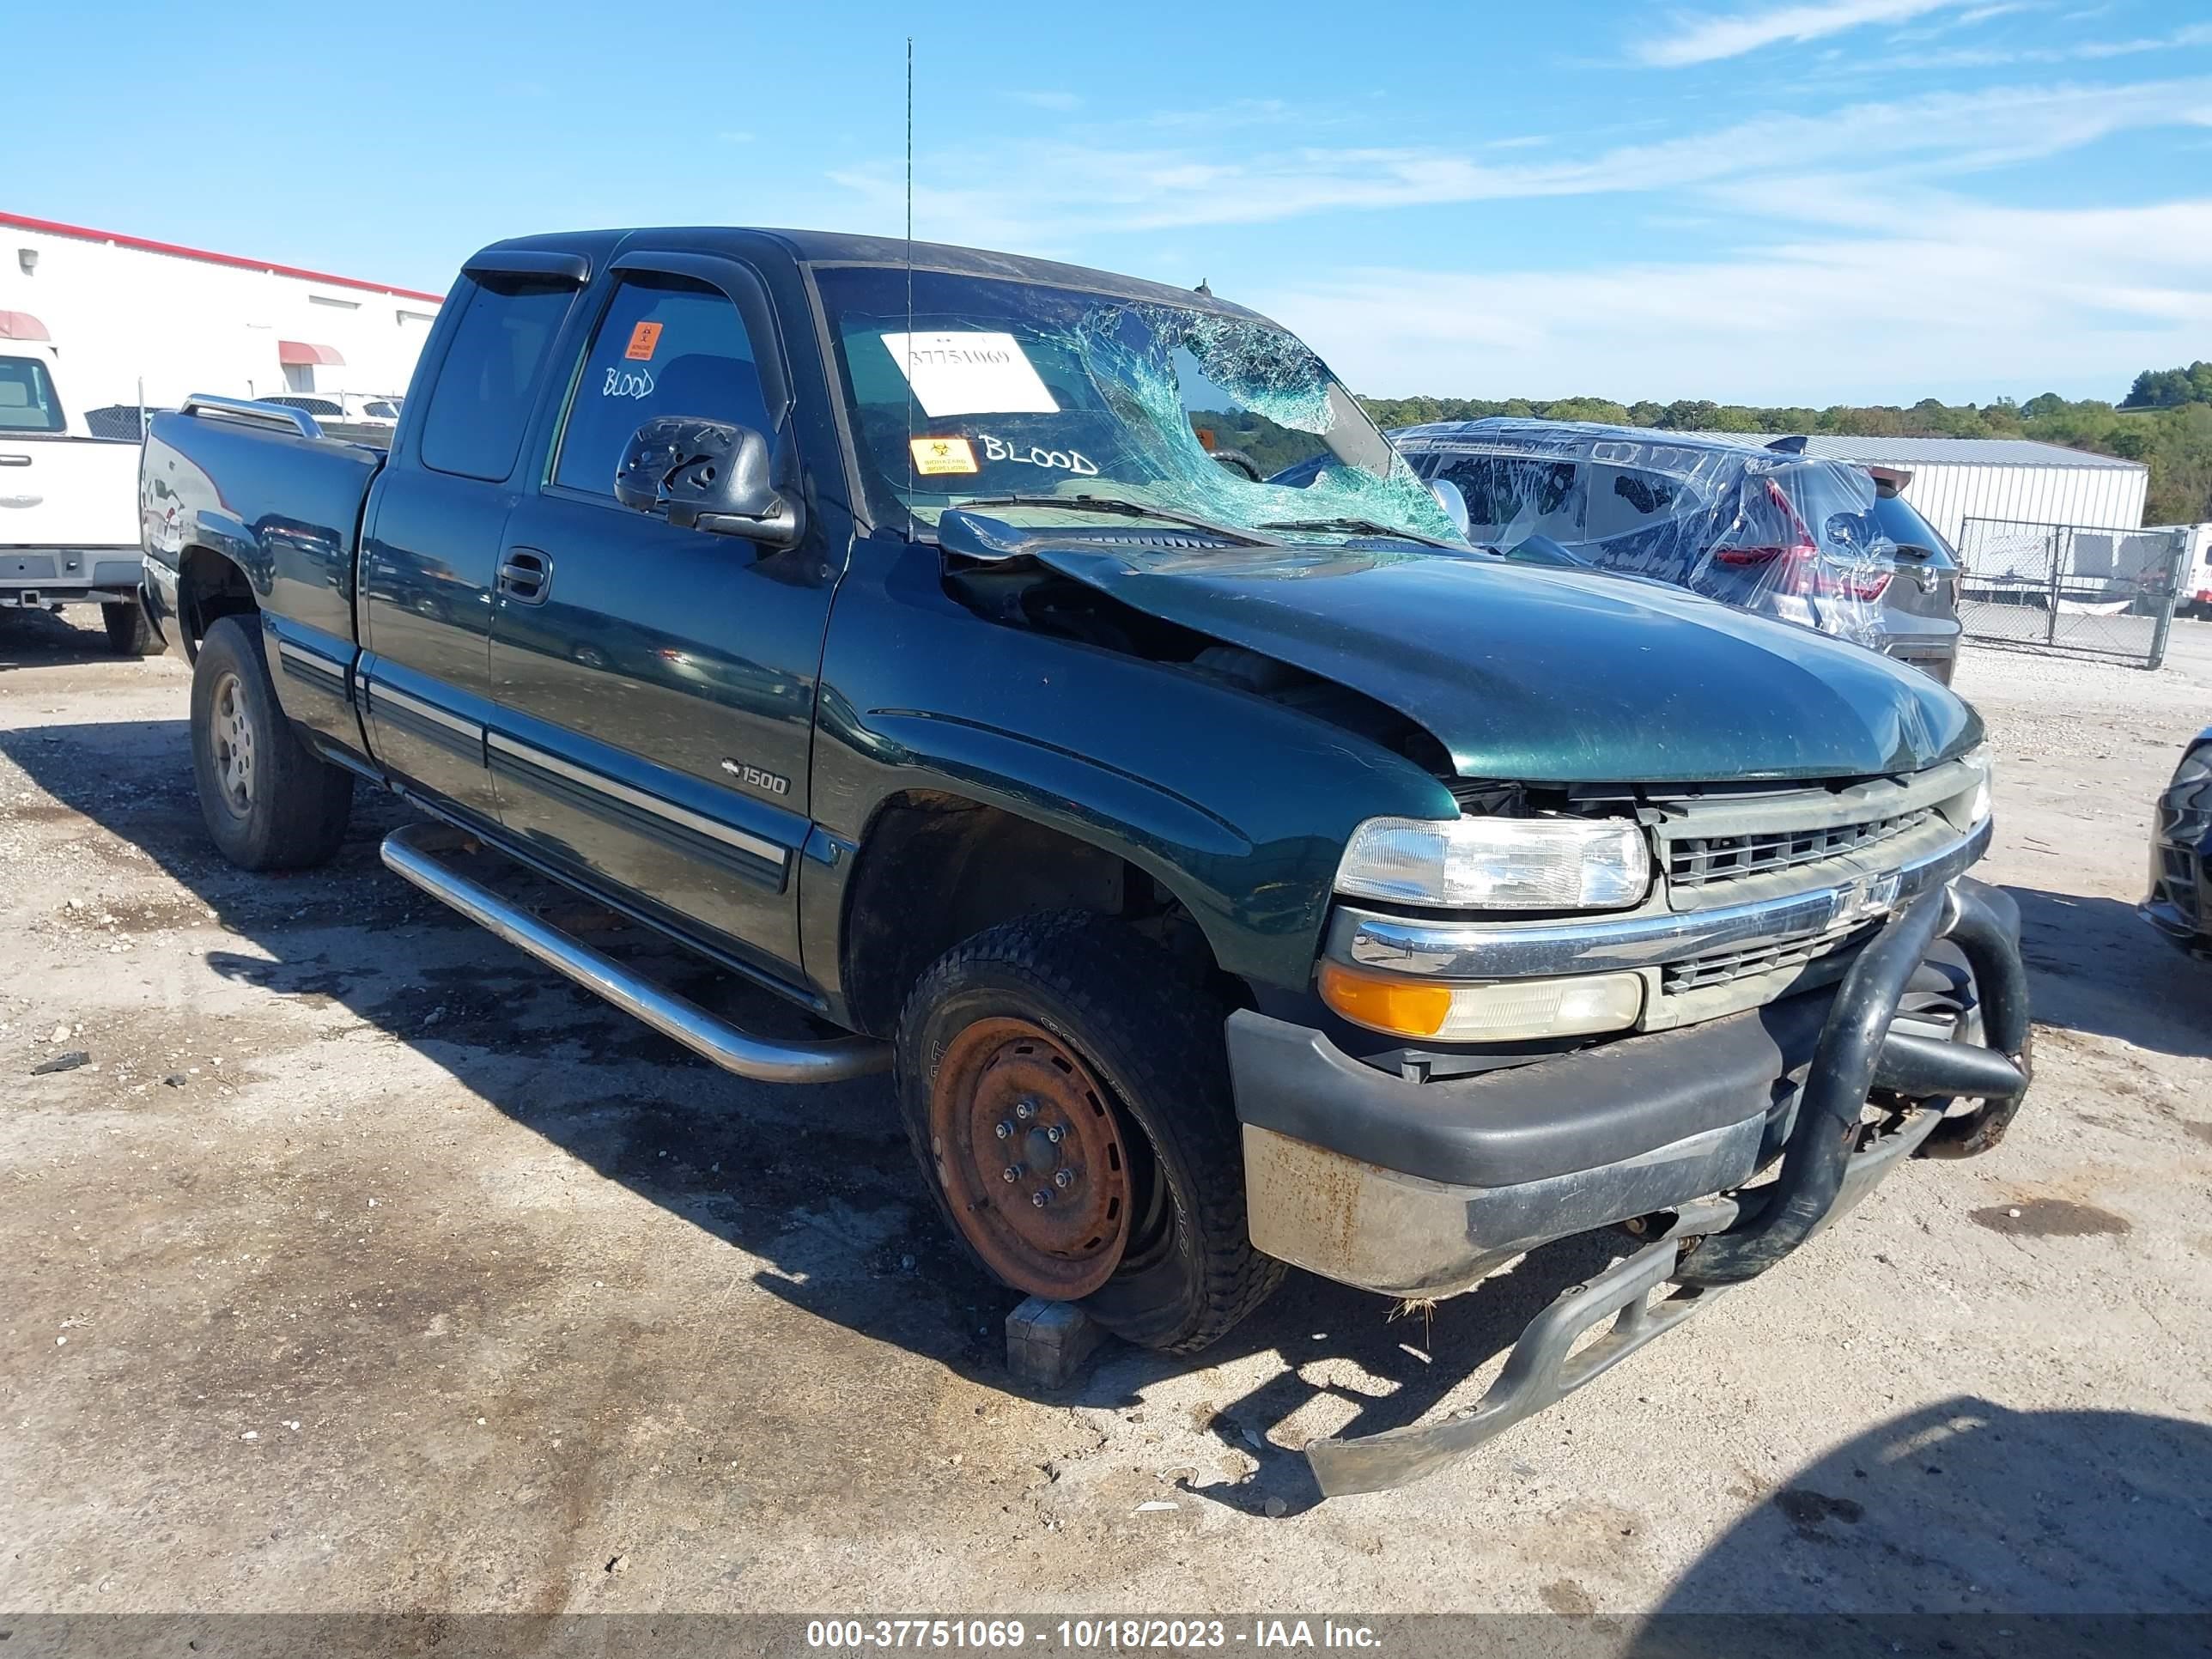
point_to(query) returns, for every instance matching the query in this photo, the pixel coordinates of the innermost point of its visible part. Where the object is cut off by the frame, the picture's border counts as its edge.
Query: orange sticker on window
(642, 340)
(935, 455)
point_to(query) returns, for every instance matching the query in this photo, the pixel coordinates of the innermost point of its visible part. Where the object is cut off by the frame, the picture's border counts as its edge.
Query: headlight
(1984, 792)
(1491, 1010)
(1498, 864)
(2195, 767)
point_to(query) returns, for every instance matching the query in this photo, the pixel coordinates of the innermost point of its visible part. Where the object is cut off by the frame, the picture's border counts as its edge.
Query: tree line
(2165, 421)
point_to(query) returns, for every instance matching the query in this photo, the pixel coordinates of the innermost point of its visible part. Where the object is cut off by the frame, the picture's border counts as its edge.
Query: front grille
(1721, 967)
(1702, 860)
(2180, 879)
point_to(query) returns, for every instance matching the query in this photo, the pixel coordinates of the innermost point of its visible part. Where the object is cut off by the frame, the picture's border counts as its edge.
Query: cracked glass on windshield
(1009, 388)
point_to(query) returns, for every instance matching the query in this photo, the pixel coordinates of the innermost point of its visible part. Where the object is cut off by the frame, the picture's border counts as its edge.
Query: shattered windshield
(992, 389)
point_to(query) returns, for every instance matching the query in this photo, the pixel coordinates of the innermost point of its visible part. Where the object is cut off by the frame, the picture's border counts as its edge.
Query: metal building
(1954, 479)
(134, 321)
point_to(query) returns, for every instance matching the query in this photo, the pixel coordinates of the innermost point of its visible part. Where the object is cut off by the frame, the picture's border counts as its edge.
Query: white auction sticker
(969, 372)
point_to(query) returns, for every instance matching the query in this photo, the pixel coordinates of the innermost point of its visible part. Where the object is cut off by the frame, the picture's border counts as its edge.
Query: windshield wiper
(1357, 527)
(1116, 506)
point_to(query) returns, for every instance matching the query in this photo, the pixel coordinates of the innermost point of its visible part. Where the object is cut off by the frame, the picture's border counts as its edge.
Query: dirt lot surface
(363, 1264)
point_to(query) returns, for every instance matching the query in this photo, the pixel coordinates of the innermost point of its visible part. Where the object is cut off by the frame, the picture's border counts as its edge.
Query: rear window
(27, 403)
(488, 383)
(1901, 522)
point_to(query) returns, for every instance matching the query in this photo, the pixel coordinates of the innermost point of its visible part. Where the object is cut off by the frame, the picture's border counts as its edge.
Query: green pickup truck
(1232, 873)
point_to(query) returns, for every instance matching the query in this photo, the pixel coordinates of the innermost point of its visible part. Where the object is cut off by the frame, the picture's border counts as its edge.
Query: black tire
(1152, 1035)
(129, 633)
(282, 808)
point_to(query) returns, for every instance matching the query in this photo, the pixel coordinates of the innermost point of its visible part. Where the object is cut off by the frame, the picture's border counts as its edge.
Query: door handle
(526, 575)
(15, 460)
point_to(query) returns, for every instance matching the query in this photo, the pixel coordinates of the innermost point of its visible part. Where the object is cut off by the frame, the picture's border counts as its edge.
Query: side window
(1623, 500)
(482, 398)
(1510, 498)
(668, 346)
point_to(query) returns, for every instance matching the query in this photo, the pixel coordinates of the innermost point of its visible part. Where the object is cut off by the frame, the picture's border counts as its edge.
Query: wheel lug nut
(1054, 1134)
(1005, 1131)
(1025, 1109)
(1012, 1174)
(1040, 1198)
(1064, 1178)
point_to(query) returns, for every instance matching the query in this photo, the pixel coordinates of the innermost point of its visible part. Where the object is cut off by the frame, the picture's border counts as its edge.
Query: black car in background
(2180, 902)
(1821, 543)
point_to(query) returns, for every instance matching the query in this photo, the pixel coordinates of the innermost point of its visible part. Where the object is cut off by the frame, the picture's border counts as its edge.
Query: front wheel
(270, 802)
(1066, 1087)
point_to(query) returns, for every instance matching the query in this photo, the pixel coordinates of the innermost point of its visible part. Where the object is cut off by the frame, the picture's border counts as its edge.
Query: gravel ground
(362, 1264)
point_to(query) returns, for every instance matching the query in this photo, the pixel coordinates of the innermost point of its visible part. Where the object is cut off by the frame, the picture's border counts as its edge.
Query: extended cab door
(432, 543)
(655, 684)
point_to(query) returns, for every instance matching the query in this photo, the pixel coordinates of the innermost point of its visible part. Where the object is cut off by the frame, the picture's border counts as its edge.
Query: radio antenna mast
(909, 270)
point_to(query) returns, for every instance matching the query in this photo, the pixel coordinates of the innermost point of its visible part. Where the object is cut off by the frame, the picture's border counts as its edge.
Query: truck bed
(288, 511)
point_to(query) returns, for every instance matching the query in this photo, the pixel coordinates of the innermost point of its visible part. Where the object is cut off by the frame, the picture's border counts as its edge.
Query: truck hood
(1542, 676)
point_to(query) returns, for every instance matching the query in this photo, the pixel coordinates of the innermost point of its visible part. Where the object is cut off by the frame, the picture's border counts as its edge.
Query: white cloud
(2093, 51)
(1704, 37)
(1067, 193)
(1981, 302)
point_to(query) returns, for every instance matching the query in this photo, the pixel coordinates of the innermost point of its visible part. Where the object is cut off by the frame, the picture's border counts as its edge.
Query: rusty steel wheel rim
(1030, 1157)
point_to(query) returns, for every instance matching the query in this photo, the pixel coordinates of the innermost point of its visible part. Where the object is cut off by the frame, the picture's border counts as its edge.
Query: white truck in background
(2196, 573)
(69, 503)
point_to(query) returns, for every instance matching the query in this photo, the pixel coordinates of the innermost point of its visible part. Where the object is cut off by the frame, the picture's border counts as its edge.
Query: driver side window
(667, 345)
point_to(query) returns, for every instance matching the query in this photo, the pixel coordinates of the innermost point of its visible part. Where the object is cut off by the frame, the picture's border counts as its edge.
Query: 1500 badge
(753, 778)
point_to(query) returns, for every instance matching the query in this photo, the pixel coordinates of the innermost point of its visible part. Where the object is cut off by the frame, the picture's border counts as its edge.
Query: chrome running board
(412, 852)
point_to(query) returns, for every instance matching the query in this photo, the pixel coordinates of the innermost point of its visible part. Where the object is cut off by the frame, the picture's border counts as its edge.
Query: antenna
(909, 268)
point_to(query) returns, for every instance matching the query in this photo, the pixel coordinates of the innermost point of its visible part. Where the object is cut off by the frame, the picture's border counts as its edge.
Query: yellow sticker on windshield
(935, 455)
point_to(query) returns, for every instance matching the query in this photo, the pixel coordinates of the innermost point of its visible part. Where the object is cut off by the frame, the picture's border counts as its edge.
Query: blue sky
(1771, 201)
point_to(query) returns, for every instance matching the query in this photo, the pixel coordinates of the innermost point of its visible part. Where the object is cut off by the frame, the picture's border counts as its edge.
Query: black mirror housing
(710, 476)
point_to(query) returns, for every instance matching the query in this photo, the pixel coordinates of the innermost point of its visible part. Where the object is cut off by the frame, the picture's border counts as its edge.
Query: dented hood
(1541, 676)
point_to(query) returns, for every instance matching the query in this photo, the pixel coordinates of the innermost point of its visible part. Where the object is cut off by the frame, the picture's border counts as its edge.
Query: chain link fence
(2071, 588)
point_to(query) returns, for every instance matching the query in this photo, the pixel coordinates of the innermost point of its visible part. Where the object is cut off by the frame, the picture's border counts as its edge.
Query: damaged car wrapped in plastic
(1751, 523)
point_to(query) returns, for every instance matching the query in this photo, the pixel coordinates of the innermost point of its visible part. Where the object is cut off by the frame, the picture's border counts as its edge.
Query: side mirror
(709, 476)
(1453, 503)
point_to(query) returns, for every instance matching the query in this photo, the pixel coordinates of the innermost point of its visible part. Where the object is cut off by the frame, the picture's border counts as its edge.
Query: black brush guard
(1832, 1159)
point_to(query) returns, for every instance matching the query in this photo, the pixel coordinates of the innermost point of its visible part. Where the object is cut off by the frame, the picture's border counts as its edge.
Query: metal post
(2051, 624)
(2162, 625)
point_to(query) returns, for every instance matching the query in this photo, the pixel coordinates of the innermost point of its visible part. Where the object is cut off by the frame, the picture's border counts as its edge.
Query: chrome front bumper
(1422, 1188)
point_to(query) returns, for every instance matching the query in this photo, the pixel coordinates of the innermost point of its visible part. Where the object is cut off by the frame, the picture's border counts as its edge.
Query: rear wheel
(269, 802)
(129, 633)
(1066, 1091)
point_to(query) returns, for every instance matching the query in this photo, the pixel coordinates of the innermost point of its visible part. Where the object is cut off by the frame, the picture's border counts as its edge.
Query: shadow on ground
(1966, 1529)
(2095, 966)
(35, 638)
(818, 1182)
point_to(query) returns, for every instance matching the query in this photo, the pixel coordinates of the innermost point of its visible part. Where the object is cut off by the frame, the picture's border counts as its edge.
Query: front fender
(1237, 805)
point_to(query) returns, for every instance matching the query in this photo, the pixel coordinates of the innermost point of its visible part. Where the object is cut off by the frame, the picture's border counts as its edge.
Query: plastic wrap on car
(1777, 533)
